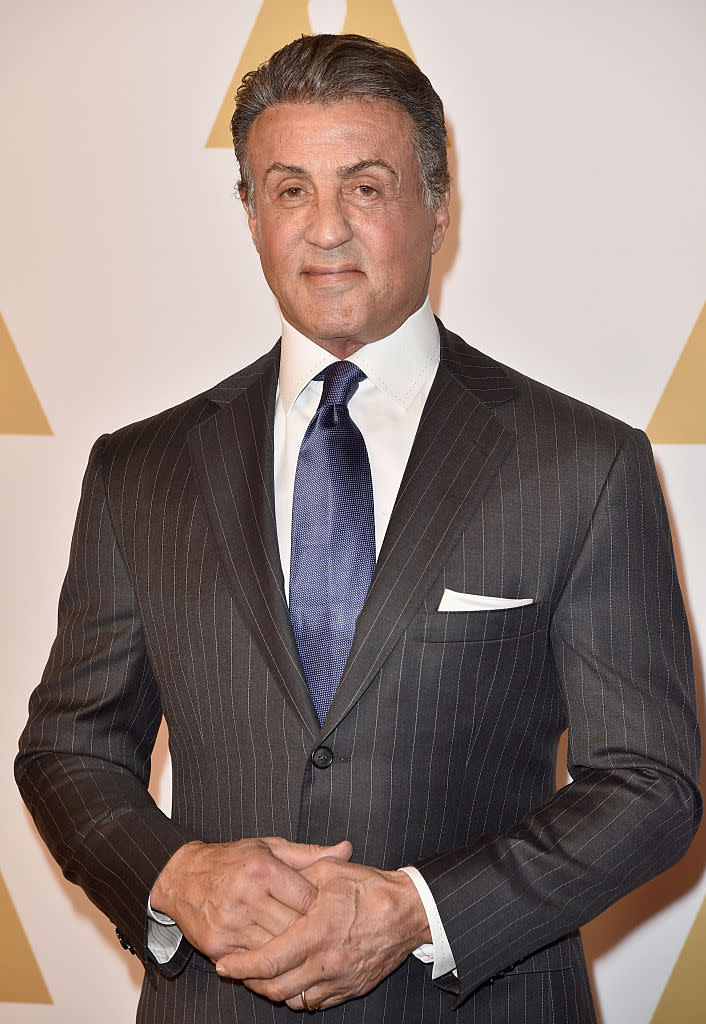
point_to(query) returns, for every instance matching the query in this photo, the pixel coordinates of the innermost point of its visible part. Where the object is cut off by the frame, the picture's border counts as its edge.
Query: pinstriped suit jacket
(444, 728)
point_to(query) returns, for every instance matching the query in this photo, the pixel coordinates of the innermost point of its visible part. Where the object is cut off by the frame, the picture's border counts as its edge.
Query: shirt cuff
(163, 934)
(438, 951)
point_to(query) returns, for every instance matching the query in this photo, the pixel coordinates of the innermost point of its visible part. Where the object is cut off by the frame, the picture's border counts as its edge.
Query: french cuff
(163, 935)
(438, 951)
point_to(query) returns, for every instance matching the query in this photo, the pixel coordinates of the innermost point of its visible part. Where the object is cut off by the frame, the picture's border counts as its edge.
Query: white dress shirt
(386, 408)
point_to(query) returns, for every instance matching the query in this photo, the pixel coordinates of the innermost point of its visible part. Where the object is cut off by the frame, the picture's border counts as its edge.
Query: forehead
(312, 134)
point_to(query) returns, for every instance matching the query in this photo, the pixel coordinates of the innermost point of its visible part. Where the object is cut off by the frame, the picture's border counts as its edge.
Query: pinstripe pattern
(445, 725)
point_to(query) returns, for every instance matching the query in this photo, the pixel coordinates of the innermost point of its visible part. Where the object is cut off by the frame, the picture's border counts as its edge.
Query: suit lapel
(459, 448)
(232, 454)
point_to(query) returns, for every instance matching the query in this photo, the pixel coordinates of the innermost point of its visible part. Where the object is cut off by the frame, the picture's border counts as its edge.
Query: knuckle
(268, 967)
(277, 992)
(257, 865)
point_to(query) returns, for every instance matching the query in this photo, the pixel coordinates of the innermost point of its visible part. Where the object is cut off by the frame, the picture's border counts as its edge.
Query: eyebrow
(284, 169)
(364, 165)
(342, 172)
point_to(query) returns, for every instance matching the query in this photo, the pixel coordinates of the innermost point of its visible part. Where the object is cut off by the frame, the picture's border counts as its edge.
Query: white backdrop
(128, 282)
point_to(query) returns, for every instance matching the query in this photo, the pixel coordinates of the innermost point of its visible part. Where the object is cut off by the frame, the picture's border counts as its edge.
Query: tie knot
(341, 382)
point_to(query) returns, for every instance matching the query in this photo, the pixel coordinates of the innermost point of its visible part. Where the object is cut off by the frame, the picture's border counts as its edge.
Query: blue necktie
(333, 535)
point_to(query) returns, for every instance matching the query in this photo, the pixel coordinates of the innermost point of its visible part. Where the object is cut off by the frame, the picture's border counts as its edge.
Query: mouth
(330, 275)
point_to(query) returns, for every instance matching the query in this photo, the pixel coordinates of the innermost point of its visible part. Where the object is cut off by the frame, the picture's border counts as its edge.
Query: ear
(441, 223)
(250, 211)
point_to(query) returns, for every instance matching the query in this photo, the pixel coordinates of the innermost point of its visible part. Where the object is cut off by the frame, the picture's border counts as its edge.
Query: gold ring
(305, 1005)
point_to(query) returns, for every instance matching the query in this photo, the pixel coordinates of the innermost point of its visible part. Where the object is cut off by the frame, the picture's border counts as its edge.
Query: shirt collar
(397, 365)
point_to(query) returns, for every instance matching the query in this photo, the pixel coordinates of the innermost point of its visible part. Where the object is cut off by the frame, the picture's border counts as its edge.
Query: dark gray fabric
(445, 725)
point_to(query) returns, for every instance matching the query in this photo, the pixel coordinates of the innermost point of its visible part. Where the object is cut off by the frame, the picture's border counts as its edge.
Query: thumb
(341, 851)
(303, 855)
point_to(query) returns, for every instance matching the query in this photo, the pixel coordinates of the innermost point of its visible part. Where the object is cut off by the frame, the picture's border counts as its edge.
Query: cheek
(274, 236)
(381, 247)
(276, 256)
(395, 240)
(403, 260)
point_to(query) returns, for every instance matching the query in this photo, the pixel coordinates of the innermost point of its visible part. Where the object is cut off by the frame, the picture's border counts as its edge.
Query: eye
(293, 192)
(367, 191)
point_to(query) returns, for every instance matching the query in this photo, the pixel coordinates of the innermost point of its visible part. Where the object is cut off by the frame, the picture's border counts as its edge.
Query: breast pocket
(478, 627)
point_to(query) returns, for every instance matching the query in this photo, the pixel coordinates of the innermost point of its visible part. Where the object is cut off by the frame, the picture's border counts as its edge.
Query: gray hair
(328, 69)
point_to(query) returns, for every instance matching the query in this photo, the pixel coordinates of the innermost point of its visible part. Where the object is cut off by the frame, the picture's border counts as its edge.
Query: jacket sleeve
(622, 661)
(84, 759)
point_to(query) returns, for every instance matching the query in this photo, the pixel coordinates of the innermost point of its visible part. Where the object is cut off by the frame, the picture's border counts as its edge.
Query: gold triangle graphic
(278, 23)
(20, 411)
(21, 980)
(680, 416)
(379, 20)
(683, 998)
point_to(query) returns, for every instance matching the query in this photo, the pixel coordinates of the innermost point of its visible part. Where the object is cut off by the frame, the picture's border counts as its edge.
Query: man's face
(339, 222)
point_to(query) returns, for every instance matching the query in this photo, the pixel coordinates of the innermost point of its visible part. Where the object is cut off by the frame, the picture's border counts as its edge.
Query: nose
(328, 225)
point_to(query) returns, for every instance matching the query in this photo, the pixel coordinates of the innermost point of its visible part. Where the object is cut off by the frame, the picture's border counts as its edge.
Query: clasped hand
(361, 925)
(289, 918)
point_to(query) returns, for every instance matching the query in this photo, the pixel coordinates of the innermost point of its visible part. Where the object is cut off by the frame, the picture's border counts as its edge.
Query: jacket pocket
(477, 627)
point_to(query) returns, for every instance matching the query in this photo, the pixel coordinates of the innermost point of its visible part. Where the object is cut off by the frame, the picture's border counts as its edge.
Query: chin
(334, 327)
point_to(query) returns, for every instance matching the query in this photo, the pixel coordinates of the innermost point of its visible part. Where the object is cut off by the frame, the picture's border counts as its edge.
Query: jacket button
(322, 757)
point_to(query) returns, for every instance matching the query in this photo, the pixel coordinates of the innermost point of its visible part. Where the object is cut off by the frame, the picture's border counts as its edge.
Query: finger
(341, 851)
(324, 870)
(289, 987)
(280, 955)
(249, 938)
(303, 855)
(285, 886)
(277, 919)
(312, 1004)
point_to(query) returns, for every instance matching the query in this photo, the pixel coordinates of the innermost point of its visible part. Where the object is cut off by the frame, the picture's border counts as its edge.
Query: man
(368, 581)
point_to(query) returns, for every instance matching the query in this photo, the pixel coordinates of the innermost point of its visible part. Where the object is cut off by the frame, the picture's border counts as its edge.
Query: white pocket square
(453, 601)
